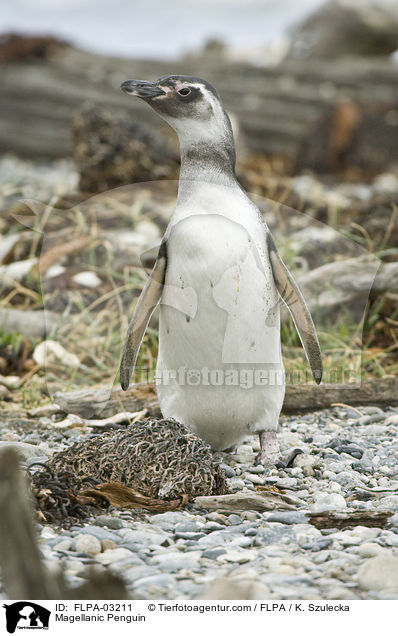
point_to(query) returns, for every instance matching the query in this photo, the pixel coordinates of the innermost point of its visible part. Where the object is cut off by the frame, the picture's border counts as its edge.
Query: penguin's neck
(208, 162)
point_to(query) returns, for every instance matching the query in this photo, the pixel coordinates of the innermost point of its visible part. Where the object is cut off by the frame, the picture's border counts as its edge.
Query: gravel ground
(278, 554)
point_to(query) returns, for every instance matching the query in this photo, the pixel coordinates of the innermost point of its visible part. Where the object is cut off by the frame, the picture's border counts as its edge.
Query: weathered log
(106, 402)
(335, 519)
(286, 111)
(23, 572)
(29, 323)
(260, 501)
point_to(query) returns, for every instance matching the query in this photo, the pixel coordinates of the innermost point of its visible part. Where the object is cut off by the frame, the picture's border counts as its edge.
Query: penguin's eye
(184, 92)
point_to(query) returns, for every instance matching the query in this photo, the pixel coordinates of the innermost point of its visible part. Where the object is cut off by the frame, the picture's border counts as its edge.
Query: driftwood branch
(23, 571)
(107, 402)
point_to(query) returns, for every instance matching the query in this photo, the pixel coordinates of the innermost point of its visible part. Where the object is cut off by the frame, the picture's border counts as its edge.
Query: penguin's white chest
(219, 326)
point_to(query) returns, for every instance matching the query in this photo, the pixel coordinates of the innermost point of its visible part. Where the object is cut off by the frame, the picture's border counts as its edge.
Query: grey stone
(229, 472)
(288, 517)
(210, 526)
(110, 522)
(87, 543)
(156, 580)
(175, 561)
(324, 501)
(234, 520)
(98, 532)
(118, 554)
(213, 554)
(168, 520)
(235, 483)
(255, 479)
(134, 573)
(190, 536)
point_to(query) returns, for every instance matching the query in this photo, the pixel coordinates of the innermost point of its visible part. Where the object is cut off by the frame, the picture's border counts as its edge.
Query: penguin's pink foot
(269, 449)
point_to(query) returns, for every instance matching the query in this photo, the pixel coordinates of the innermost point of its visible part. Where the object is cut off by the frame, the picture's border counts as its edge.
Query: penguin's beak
(142, 89)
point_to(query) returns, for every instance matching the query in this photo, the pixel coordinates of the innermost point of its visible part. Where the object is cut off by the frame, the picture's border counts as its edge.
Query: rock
(119, 554)
(235, 589)
(228, 470)
(254, 479)
(52, 352)
(87, 279)
(158, 581)
(236, 556)
(168, 520)
(212, 554)
(87, 543)
(100, 533)
(379, 573)
(106, 544)
(388, 503)
(288, 517)
(63, 545)
(176, 561)
(324, 502)
(369, 549)
(146, 536)
(109, 522)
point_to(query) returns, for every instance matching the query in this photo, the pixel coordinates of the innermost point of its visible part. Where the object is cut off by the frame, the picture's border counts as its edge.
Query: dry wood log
(334, 519)
(29, 323)
(286, 111)
(106, 402)
(24, 574)
(260, 501)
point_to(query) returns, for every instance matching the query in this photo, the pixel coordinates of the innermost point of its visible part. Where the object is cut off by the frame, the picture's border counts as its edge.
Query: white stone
(87, 279)
(110, 556)
(379, 573)
(236, 556)
(50, 351)
(55, 270)
(369, 549)
(332, 501)
(255, 479)
(88, 543)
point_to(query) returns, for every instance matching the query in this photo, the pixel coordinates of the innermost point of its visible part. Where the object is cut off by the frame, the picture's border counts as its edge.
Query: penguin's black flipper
(150, 297)
(292, 296)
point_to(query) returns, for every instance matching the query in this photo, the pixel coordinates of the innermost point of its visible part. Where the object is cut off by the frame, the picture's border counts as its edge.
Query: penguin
(220, 281)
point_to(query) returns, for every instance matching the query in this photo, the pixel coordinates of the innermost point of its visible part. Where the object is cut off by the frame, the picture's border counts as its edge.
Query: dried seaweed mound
(157, 458)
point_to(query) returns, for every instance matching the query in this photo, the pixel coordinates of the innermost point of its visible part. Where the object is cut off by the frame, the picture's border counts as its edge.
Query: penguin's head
(190, 105)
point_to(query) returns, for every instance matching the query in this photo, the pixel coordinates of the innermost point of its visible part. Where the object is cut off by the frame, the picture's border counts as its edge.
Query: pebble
(369, 549)
(379, 573)
(288, 517)
(109, 522)
(87, 543)
(324, 502)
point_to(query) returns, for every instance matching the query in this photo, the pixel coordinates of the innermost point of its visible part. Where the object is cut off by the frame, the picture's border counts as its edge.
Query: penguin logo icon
(26, 615)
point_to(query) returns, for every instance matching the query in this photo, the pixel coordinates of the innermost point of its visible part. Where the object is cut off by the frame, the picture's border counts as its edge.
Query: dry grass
(94, 323)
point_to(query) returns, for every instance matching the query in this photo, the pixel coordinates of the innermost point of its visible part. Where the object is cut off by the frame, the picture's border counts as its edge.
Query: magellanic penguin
(220, 279)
